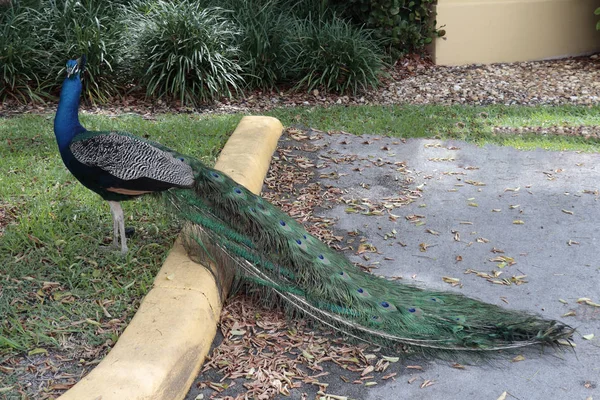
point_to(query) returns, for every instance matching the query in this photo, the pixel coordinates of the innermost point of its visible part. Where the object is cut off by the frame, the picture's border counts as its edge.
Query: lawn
(471, 123)
(61, 294)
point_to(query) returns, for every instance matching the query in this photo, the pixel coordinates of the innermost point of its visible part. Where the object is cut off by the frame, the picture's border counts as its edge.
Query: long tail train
(275, 252)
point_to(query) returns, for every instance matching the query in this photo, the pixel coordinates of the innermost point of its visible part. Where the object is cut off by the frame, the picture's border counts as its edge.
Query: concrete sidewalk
(556, 250)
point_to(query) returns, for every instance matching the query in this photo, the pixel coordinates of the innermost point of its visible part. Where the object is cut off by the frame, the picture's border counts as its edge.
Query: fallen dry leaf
(589, 302)
(366, 248)
(565, 342)
(427, 383)
(588, 336)
(451, 281)
(475, 183)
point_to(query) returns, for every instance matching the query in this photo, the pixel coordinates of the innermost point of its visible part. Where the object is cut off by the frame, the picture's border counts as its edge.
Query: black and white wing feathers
(129, 158)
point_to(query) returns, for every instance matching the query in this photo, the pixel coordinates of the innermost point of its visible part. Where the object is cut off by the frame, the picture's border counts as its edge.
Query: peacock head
(75, 67)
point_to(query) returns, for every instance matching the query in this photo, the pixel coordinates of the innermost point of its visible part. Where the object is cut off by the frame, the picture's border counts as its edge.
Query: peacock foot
(113, 248)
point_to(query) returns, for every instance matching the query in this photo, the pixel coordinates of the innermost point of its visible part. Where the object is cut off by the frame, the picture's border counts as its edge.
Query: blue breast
(66, 127)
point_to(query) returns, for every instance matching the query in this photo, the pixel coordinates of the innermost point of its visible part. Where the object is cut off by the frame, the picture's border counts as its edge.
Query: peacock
(270, 251)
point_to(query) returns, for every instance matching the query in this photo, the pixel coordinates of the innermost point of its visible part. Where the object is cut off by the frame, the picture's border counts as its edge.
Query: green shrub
(90, 27)
(316, 9)
(183, 50)
(263, 28)
(333, 56)
(22, 57)
(404, 25)
(597, 12)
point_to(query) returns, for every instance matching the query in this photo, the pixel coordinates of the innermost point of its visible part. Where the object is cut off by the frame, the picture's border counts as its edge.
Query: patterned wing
(127, 157)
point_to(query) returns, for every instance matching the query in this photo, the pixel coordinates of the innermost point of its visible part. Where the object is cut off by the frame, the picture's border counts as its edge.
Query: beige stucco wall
(488, 31)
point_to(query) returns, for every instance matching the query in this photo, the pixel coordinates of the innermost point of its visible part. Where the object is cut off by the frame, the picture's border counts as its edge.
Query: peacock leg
(115, 242)
(118, 225)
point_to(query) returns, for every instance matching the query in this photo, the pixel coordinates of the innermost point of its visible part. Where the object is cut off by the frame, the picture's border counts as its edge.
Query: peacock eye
(181, 159)
(360, 290)
(237, 190)
(298, 241)
(324, 260)
(282, 223)
(304, 236)
(412, 310)
(214, 174)
(385, 304)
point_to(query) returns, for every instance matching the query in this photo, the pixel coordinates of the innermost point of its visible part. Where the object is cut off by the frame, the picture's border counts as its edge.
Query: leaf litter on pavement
(265, 354)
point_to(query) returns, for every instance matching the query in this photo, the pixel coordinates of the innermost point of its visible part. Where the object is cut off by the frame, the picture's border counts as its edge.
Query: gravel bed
(413, 81)
(565, 81)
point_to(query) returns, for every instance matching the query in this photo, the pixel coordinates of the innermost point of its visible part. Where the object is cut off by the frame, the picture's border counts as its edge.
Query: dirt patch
(8, 215)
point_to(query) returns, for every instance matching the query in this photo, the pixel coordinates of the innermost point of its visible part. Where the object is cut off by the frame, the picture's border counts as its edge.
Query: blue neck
(66, 121)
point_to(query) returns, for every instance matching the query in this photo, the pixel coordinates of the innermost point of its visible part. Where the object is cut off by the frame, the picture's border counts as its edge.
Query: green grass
(58, 291)
(470, 123)
(54, 280)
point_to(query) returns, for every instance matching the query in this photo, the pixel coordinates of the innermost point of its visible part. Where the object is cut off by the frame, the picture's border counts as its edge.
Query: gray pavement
(471, 197)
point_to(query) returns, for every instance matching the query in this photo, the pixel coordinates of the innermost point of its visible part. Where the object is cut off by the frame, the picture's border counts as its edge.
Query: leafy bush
(404, 25)
(263, 28)
(90, 27)
(333, 55)
(22, 57)
(183, 50)
(597, 12)
(317, 9)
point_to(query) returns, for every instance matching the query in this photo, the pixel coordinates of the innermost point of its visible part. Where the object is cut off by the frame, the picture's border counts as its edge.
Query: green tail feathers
(272, 250)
